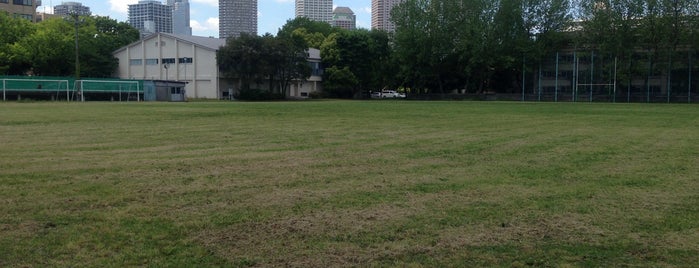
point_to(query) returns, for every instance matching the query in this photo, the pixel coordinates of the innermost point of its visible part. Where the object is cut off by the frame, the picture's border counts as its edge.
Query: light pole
(166, 71)
(76, 20)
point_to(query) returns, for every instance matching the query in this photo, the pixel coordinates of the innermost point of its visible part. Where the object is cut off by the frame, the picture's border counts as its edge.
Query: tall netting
(111, 90)
(588, 76)
(35, 88)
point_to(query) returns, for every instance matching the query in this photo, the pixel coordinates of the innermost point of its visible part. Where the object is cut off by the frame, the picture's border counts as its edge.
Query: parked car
(392, 94)
(376, 95)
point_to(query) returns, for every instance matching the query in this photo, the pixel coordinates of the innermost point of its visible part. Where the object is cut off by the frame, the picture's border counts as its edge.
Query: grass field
(335, 183)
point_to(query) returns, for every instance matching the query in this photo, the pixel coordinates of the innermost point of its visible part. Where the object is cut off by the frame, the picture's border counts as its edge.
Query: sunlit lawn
(348, 183)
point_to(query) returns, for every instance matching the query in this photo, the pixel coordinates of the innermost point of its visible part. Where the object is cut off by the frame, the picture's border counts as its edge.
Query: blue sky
(204, 13)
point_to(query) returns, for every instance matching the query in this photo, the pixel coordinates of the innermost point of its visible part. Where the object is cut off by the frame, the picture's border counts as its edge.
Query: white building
(165, 56)
(381, 14)
(192, 59)
(150, 16)
(68, 8)
(316, 10)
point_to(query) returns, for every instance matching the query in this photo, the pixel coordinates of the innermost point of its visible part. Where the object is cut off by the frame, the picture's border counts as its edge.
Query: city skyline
(204, 17)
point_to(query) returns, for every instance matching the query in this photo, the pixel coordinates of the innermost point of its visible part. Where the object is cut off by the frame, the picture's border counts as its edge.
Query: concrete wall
(201, 75)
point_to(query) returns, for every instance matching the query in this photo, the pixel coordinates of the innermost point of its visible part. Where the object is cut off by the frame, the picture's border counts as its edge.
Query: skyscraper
(236, 17)
(71, 7)
(381, 14)
(317, 10)
(149, 16)
(180, 17)
(343, 17)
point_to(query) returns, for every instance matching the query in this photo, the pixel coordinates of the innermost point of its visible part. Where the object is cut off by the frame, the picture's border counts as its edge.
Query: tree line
(47, 48)
(478, 46)
(263, 66)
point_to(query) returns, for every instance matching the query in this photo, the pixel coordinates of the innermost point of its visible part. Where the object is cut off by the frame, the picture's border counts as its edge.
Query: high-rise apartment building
(381, 14)
(343, 17)
(180, 17)
(21, 8)
(68, 8)
(236, 17)
(149, 16)
(316, 10)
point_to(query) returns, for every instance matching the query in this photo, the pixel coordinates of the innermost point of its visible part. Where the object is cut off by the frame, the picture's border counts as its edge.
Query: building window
(136, 62)
(185, 60)
(22, 2)
(151, 61)
(4, 1)
(169, 61)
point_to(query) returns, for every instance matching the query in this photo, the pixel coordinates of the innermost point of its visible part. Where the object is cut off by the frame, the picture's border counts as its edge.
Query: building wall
(150, 17)
(381, 14)
(236, 17)
(316, 10)
(69, 7)
(180, 17)
(343, 17)
(25, 10)
(145, 60)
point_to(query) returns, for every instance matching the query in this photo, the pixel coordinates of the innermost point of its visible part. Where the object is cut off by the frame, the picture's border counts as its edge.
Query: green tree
(49, 50)
(239, 58)
(12, 55)
(99, 37)
(312, 27)
(340, 82)
(251, 59)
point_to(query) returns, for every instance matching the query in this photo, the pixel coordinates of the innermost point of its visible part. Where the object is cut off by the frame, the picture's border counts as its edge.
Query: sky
(272, 14)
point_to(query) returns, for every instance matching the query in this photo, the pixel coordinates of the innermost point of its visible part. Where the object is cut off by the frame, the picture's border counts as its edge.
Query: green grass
(344, 183)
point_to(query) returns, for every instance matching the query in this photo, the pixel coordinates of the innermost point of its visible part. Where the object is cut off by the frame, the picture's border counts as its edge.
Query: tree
(340, 82)
(239, 59)
(48, 48)
(12, 55)
(252, 59)
(99, 37)
(311, 27)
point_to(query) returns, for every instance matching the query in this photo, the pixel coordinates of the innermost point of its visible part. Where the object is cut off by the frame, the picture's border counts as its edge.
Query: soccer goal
(114, 90)
(56, 89)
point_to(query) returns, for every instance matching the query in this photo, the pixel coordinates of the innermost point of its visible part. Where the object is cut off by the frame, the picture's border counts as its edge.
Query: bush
(258, 95)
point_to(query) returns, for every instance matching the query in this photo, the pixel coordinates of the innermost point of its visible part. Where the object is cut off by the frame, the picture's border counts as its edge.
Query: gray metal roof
(208, 42)
(211, 43)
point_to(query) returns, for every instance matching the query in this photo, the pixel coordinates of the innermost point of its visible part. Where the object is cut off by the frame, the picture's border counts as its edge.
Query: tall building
(343, 17)
(149, 16)
(21, 8)
(236, 17)
(317, 10)
(68, 8)
(180, 17)
(381, 14)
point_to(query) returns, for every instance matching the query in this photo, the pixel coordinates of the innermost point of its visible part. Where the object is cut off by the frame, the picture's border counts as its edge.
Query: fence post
(592, 71)
(556, 94)
(524, 75)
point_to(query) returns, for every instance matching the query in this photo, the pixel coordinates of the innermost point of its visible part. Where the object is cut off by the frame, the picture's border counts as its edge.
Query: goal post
(18, 86)
(114, 89)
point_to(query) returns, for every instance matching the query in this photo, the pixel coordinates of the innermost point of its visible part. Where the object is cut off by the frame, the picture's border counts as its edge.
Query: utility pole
(76, 20)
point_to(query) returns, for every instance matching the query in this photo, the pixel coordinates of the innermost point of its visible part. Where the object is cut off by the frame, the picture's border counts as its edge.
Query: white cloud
(121, 6)
(210, 25)
(367, 10)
